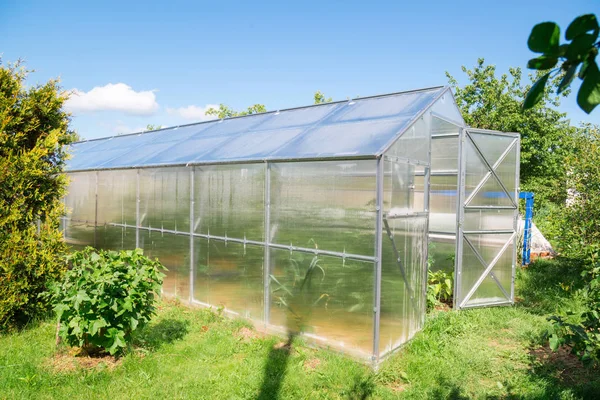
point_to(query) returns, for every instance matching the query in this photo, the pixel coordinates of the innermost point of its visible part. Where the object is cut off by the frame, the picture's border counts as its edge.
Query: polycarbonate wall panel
(165, 198)
(173, 251)
(488, 247)
(446, 107)
(115, 237)
(80, 204)
(443, 203)
(443, 200)
(117, 197)
(329, 298)
(230, 275)
(486, 220)
(403, 275)
(403, 196)
(327, 205)
(229, 200)
(414, 142)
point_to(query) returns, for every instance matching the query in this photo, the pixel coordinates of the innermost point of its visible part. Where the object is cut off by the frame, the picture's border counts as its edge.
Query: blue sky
(135, 63)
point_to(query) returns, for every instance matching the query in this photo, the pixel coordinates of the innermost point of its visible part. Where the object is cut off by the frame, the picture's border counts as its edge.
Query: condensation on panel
(117, 197)
(488, 246)
(80, 205)
(165, 198)
(173, 251)
(115, 237)
(326, 205)
(403, 275)
(488, 219)
(230, 275)
(327, 297)
(229, 201)
(414, 142)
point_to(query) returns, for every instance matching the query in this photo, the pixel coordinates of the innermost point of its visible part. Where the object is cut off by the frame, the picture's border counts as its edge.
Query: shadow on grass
(362, 387)
(564, 374)
(546, 284)
(152, 337)
(275, 369)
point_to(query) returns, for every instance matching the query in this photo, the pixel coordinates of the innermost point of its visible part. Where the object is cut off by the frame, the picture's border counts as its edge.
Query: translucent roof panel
(355, 128)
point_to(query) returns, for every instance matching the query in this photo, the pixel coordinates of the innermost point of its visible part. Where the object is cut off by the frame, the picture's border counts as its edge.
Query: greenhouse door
(486, 232)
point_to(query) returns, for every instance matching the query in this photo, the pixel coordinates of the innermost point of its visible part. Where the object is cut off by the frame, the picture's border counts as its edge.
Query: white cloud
(195, 113)
(113, 97)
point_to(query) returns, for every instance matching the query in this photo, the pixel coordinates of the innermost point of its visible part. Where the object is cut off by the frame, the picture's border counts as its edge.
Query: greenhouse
(316, 219)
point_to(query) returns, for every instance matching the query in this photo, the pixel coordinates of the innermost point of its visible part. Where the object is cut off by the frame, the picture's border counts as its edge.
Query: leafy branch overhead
(577, 57)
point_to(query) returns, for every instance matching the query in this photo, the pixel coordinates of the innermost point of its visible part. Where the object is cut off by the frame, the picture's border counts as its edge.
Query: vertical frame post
(267, 253)
(192, 261)
(426, 207)
(460, 196)
(137, 209)
(378, 252)
(516, 219)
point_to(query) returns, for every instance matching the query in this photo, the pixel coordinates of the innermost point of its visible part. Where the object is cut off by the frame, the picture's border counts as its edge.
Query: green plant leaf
(581, 25)
(536, 92)
(588, 96)
(580, 47)
(542, 62)
(567, 79)
(544, 38)
(554, 342)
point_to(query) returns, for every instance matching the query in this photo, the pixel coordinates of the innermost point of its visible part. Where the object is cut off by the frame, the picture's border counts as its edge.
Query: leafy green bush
(105, 297)
(33, 137)
(579, 240)
(439, 288)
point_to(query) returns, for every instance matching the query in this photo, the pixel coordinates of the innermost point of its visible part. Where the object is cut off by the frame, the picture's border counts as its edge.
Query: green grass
(195, 353)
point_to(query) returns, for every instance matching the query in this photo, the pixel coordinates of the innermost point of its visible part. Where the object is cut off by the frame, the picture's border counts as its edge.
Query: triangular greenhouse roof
(358, 128)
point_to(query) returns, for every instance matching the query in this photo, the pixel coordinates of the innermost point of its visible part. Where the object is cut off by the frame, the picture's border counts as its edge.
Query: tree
(226, 112)
(576, 58)
(491, 102)
(320, 98)
(34, 132)
(151, 127)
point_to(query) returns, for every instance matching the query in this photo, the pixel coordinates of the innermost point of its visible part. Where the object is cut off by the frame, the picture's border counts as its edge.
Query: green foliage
(33, 134)
(151, 127)
(580, 53)
(105, 297)
(226, 112)
(579, 240)
(440, 288)
(489, 101)
(320, 98)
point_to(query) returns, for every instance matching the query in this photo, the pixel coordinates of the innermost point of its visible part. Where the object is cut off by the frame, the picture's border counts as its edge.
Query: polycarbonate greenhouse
(314, 219)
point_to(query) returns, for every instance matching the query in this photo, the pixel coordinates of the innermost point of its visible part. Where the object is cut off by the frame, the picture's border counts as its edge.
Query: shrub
(439, 288)
(105, 297)
(580, 240)
(33, 135)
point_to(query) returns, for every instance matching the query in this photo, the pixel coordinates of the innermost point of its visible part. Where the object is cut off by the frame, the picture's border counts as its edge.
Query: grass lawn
(195, 353)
